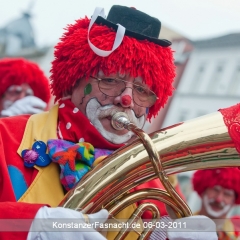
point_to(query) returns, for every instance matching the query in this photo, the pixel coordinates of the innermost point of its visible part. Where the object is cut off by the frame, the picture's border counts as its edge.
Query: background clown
(219, 191)
(24, 87)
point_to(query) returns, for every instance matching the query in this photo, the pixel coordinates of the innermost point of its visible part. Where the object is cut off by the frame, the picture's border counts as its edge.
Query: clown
(102, 66)
(24, 87)
(219, 193)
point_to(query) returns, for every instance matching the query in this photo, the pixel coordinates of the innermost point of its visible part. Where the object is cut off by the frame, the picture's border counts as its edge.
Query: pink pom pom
(30, 156)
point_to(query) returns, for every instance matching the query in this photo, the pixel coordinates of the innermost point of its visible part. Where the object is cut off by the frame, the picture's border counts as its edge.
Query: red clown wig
(225, 177)
(16, 71)
(74, 60)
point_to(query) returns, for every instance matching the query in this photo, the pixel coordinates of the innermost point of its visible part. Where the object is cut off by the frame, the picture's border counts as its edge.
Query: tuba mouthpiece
(120, 120)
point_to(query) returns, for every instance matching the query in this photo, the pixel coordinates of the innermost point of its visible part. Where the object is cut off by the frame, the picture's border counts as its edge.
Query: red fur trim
(15, 71)
(74, 60)
(225, 177)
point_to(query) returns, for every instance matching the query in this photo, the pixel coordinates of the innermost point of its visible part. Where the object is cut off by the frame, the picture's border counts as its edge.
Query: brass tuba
(200, 143)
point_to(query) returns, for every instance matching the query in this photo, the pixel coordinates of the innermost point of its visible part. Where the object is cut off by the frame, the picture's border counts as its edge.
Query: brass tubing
(200, 143)
(158, 169)
(136, 215)
(117, 205)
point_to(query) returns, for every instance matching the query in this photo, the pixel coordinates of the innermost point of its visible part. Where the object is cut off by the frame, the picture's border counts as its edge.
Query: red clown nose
(126, 100)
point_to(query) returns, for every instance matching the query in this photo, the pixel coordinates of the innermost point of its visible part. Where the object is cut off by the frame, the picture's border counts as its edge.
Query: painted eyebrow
(141, 83)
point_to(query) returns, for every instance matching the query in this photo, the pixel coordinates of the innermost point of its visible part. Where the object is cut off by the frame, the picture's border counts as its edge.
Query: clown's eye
(109, 81)
(228, 193)
(140, 89)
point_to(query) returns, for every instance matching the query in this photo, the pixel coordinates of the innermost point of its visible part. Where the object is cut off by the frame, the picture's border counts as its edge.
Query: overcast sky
(195, 19)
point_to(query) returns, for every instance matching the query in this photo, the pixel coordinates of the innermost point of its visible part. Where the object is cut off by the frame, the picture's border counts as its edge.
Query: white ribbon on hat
(118, 39)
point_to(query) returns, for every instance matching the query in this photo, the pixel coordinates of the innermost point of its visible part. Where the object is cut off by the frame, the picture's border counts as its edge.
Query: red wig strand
(74, 60)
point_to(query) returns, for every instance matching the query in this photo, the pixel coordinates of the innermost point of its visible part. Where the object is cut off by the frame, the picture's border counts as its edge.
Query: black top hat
(138, 24)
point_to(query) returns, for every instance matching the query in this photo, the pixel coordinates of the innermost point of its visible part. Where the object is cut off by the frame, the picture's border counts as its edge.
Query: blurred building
(182, 48)
(17, 39)
(211, 79)
(17, 36)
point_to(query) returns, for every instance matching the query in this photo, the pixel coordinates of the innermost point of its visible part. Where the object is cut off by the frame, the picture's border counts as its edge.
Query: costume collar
(75, 127)
(40, 127)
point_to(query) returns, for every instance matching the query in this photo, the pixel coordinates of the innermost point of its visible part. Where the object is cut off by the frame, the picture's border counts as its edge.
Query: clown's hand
(63, 223)
(27, 105)
(192, 228)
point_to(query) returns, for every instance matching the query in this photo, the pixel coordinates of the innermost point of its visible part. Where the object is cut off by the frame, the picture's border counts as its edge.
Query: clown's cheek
(139, 111)
(104, 97)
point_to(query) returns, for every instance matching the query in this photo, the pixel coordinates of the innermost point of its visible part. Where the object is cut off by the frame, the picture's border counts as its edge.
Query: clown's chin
(213, 211)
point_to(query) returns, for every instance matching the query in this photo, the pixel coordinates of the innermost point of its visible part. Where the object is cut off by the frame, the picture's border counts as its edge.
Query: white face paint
(207, 204)
(95, 112)
(7, 104)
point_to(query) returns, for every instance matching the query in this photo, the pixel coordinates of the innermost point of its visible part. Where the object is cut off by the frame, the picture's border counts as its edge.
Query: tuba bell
(200, 143)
